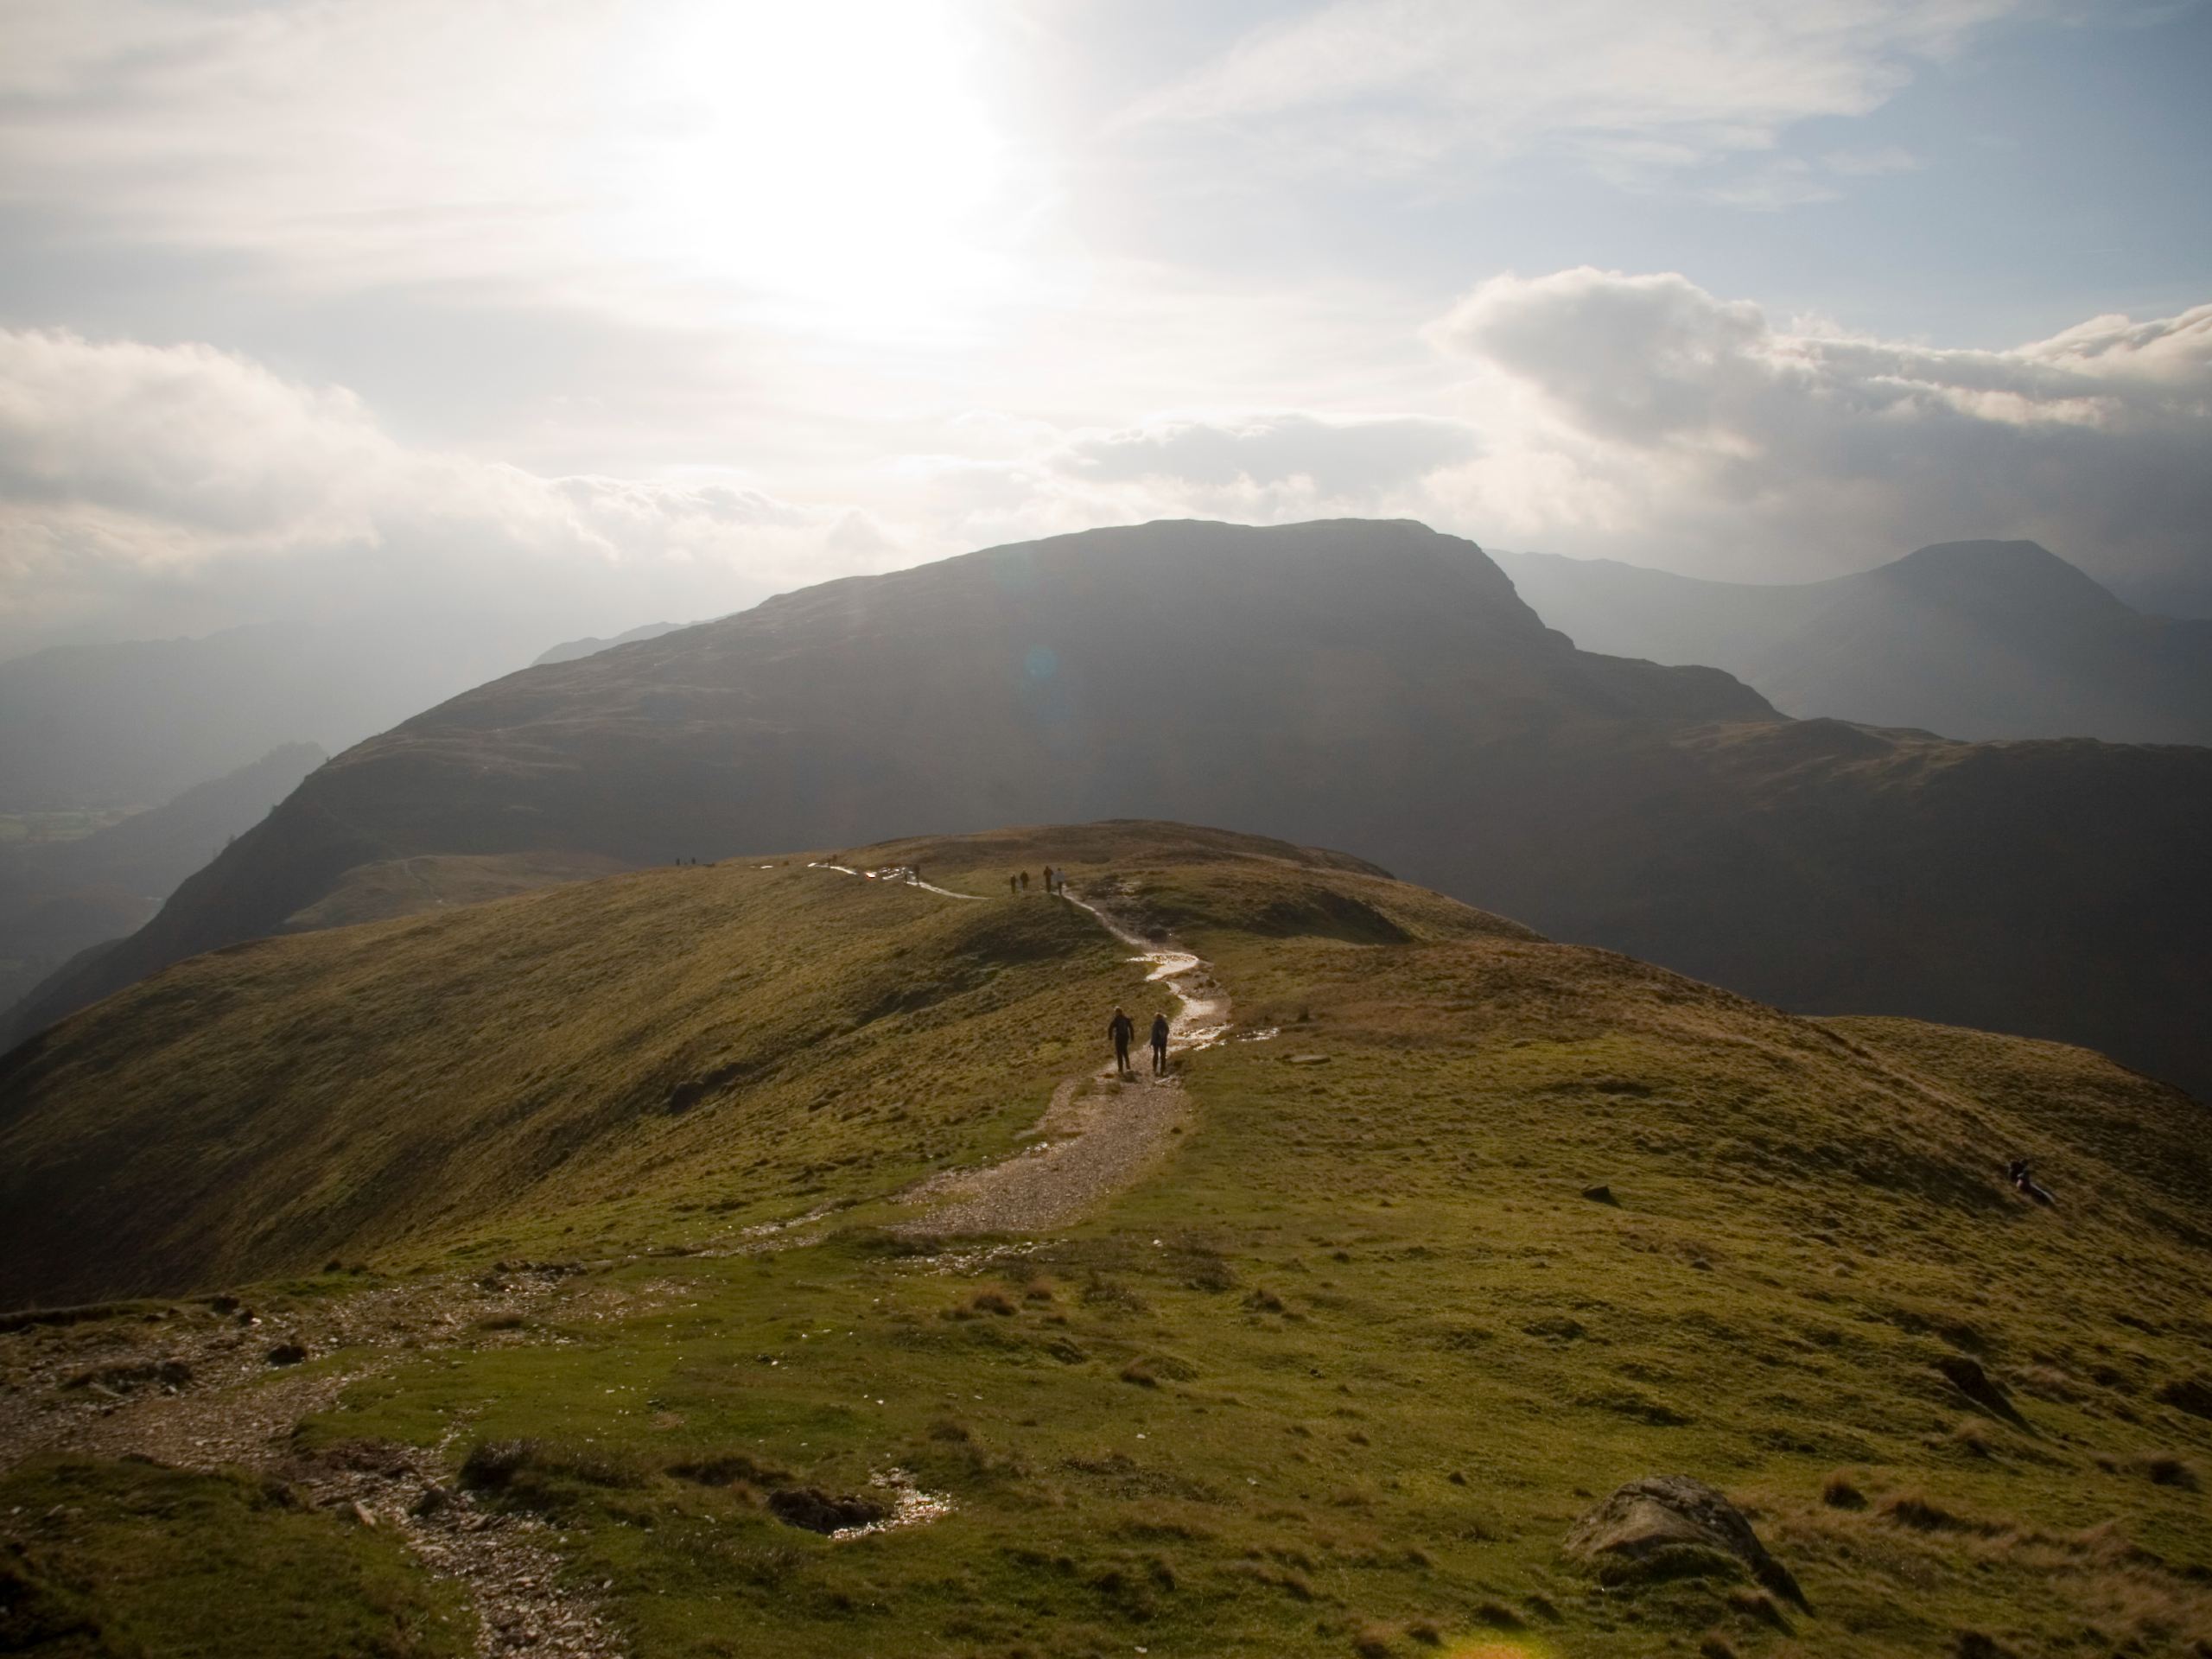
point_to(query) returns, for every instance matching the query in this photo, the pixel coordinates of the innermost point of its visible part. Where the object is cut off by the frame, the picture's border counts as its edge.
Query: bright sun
(830, 158)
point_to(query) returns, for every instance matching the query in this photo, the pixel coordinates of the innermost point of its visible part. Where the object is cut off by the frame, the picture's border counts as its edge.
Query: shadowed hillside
(1458, 1230)
(60, 898)
(1351, 683)
(1973, 639)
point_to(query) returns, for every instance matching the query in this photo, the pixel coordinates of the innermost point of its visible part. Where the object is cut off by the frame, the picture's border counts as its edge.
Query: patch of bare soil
(1095, 1137)
(510, 1563)
(214, 1384)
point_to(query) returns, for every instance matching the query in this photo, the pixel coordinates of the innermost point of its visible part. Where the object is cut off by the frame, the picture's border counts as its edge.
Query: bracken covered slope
(1487, 1227)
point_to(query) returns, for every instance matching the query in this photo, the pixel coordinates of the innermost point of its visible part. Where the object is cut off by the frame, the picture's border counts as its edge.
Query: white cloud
(1651, 419)
(160, 488)
(140, 483)
(1634, 86)
(700, 158)
(1339, 459)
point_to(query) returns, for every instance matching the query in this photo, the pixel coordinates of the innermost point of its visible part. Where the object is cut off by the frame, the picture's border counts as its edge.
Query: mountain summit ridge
(1343, 684)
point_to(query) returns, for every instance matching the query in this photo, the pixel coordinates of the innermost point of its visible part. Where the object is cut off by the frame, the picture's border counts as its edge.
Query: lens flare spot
(1491, 1646)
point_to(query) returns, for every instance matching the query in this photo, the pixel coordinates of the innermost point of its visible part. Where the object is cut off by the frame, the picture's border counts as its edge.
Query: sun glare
(833, 160)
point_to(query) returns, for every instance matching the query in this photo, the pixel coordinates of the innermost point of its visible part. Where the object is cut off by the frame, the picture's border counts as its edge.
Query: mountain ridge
(61, 898)
(1344, 683)
(1978, 640)
(591, 645)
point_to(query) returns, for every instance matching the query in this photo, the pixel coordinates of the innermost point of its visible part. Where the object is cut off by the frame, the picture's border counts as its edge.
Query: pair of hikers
(1122, 1029)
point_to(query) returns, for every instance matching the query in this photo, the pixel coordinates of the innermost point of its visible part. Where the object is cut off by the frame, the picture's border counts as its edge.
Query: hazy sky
(613, 312)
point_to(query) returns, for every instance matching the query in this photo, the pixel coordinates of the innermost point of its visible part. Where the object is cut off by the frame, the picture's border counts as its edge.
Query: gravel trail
(1102, 1129)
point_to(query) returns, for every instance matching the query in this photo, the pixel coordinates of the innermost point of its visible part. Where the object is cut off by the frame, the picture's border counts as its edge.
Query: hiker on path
(1014, 886)
(2024, 1182)
(1048, 881)
(1025, 880)
(1159, 1044)
(1121, 1029)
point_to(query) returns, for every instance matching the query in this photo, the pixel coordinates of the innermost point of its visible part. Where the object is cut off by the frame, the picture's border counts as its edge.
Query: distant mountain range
(64, 897)
(1972, 639)
(131, 724)
(570, 649)
(1357, 684)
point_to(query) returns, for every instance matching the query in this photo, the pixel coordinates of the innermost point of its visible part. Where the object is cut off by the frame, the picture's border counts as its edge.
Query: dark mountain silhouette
(61, 898)
(1352, 683)
(569, 651)
(1973, 639)
(131, 724)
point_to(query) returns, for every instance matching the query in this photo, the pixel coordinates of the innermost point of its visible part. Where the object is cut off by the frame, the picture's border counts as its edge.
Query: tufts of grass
(130, 1558)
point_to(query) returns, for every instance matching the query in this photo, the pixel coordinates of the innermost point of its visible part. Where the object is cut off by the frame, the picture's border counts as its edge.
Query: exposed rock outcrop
(1671, 1526)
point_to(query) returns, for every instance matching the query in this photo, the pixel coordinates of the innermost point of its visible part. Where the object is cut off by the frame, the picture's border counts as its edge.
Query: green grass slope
(1333, 1378)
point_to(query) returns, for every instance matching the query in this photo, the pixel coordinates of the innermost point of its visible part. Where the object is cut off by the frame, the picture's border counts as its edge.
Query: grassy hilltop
(1332, 1376)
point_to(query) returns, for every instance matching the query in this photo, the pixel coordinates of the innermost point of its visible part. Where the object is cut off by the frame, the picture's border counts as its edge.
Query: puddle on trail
(910, 1506)
(1203, 1020)
(896, 875)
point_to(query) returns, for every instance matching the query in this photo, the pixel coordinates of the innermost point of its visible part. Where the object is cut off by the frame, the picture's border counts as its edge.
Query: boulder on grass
(1671, 1526)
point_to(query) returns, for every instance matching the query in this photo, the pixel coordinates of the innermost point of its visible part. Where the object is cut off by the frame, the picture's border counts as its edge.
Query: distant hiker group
(1055, 882)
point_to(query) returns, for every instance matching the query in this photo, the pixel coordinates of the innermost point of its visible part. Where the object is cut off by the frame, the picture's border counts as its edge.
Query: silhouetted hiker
(1121, 1030)
(1048, 881)
(1025, 880)
(2025, 1183)
(914, 873)
(1014, 886)
(1159, 1044)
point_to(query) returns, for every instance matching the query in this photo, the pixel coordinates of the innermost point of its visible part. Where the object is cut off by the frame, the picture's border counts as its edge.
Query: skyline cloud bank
(1654, 422)
(165, 488)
